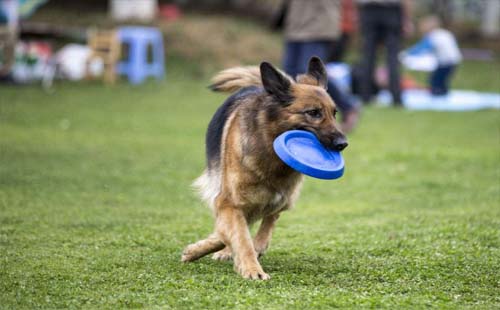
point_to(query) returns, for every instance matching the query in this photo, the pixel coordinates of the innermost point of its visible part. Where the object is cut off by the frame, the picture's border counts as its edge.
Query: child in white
(443, 45)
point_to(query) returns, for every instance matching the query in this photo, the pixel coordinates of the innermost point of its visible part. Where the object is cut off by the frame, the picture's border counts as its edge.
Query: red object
(170, 12)
(348, 16)
(407, 82)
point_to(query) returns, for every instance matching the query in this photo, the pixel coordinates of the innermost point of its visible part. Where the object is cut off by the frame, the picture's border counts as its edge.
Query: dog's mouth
(310, 129)
(325, 142)
(337, 142)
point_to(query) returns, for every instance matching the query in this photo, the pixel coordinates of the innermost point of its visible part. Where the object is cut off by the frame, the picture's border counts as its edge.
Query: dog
(244, 180)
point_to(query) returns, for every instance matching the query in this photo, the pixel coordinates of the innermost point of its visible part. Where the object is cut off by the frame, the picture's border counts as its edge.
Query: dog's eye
(335, 114)
(316, 113)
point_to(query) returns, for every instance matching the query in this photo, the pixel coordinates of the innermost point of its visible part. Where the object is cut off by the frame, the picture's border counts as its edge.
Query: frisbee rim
(281, 149)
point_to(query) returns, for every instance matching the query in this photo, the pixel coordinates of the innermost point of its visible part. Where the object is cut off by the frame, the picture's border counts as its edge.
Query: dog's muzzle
(339, 142)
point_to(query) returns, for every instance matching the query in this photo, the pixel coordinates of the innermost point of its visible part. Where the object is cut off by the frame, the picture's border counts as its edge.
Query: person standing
(310, 29)
(382, 22)
(443, 45)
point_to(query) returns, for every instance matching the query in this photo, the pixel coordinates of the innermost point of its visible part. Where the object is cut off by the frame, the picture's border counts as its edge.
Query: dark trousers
(339, 48)
(439, 79)
(380, 24)
(296, 59)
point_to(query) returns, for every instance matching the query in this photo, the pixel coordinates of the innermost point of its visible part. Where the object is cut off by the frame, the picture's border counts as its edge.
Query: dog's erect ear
(317, 70)
(275, 83)
(316, 74)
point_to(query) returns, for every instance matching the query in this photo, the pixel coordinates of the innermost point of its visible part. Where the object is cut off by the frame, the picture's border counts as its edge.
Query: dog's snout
(339, 143)
(340, 146)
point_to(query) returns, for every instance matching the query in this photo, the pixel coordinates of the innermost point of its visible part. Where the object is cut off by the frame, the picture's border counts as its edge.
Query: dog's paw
(251, 271)
(188, 255)
(253, 274)
(223, 255)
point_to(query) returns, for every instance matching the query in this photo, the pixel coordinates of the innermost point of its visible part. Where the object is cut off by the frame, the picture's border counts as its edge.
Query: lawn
(96, 207)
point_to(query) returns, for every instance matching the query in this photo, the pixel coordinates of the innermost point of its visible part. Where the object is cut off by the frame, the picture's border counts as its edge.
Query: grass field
(95, 207)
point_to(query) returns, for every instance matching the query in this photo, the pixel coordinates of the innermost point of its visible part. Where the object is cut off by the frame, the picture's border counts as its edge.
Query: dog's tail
(234, 79)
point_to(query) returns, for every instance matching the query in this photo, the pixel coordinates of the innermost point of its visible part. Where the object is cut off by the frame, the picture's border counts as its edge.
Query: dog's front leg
(201, 248)
(260, 241)
(263, 236)
(232, 228)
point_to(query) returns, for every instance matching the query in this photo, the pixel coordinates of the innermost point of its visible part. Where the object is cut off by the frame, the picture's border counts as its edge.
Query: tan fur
(208, 184)
(233, 79)
(306, 79)
(251, 183)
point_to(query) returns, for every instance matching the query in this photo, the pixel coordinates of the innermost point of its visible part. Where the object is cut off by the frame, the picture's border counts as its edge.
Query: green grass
(476, 75)
(95, 207)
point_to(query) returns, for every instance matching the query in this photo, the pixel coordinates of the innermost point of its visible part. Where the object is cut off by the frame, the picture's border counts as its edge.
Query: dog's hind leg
(201, 248)
(263, 236)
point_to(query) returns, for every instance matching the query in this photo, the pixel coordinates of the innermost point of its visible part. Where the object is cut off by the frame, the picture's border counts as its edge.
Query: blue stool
(137, 67)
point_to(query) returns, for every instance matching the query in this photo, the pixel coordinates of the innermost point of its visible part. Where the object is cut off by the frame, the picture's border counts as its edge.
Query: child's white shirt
(445, 47)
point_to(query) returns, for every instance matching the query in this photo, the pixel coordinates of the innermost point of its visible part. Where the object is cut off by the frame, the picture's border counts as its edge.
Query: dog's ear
(316, 74)
(276, 84)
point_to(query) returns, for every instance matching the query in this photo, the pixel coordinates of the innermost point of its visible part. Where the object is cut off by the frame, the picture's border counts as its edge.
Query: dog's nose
(339, 144)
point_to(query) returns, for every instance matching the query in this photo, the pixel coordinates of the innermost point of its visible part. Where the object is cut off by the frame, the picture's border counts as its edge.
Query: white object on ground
(456, 100)
(72, 60)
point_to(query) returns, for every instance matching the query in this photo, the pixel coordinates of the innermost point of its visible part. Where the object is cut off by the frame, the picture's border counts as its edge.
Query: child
(442, 44)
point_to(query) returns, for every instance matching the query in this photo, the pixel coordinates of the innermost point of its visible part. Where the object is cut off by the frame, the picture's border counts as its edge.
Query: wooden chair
(105, 45)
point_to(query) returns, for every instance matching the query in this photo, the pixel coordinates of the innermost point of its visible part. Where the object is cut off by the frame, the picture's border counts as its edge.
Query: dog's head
(304, 104)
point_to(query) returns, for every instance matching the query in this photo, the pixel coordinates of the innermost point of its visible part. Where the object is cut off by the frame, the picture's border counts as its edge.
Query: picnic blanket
(421, 99)
(456, 100)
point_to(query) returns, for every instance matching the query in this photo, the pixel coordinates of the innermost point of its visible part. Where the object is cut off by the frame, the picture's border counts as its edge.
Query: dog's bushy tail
(234, 79)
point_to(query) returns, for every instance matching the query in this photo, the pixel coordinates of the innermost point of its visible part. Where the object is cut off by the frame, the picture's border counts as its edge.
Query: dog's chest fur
(258, 180)
(242, 167)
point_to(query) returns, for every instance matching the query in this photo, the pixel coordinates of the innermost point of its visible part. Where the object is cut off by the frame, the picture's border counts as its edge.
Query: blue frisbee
(302, 151)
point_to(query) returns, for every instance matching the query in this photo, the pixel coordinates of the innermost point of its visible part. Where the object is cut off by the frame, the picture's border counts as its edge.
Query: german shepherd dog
(244, 180)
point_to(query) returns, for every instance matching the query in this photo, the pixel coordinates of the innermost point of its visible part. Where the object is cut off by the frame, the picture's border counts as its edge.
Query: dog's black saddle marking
(215, 129)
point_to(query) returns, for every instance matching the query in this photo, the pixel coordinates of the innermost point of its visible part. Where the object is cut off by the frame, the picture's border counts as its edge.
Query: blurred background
(103, 111)
(215, 34)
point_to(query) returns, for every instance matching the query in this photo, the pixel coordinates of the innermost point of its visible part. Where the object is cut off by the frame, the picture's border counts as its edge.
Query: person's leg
(344, 102)
(434, 81)
(321, 49)
(339, 47)
(310, 49)
(448, 76)
(368, 53)
(439, 80)
(333, 53)
(393, 41)
(291, 58)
